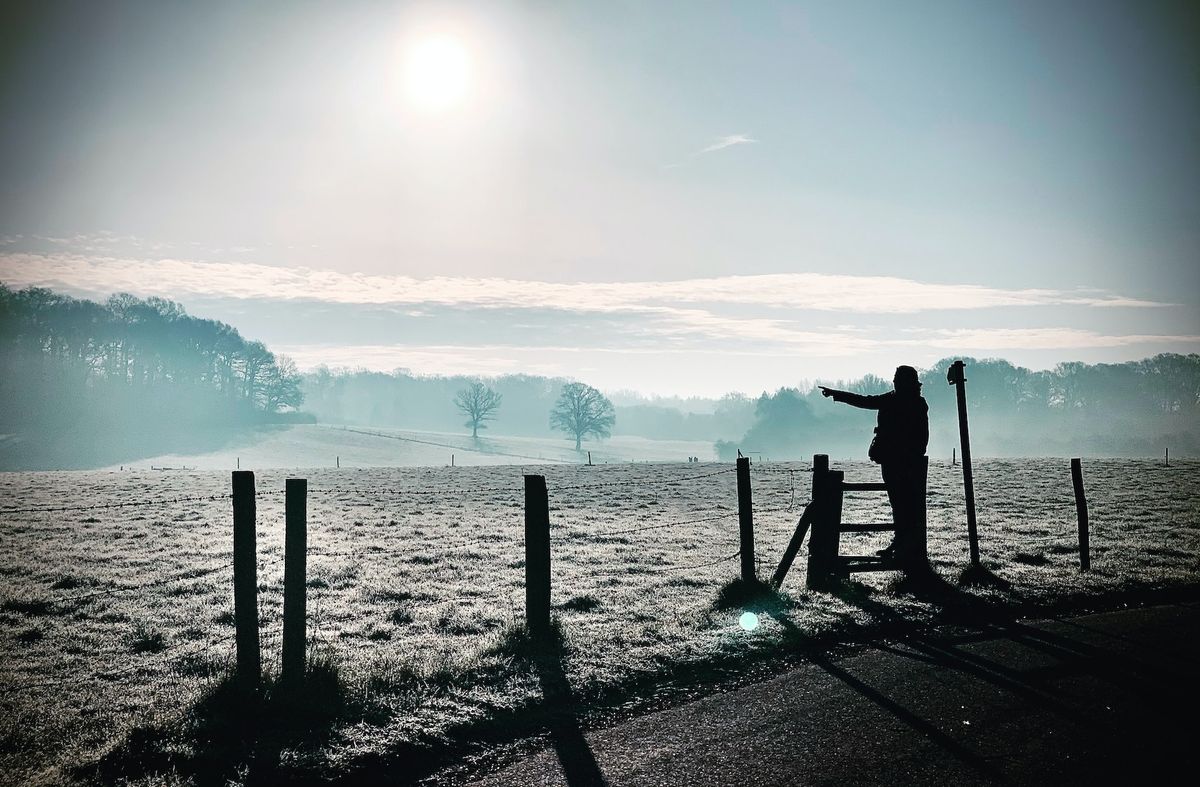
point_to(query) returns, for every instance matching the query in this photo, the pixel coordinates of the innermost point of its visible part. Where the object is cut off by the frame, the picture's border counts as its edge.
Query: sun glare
(437, 73)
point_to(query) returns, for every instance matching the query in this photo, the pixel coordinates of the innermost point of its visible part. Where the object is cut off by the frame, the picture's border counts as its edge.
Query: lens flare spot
(748, 621)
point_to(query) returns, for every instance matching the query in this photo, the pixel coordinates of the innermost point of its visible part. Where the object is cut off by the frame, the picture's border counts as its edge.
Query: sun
(437, 73)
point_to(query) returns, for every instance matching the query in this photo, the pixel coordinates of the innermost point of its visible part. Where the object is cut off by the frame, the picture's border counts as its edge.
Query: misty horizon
(505, 188)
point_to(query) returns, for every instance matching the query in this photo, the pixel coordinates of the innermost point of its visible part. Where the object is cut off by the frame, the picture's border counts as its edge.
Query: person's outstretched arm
(852, 399)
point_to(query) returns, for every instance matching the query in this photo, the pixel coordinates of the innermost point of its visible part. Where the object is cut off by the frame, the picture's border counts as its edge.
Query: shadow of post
(973, 760)
(574, 753)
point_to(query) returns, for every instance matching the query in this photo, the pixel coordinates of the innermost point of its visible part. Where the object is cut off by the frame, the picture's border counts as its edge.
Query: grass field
(359, 446)
(116, 622)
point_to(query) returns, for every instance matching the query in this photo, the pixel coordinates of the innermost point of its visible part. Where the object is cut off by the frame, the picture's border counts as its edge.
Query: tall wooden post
(818, 542)
(745, 519)
(245, 580)
(956, 376)
(1081, 511)
(919, 545)
(537, 555)
(295, 549)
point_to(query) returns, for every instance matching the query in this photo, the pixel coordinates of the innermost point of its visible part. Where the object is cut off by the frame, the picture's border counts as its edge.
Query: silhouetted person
(899, 443)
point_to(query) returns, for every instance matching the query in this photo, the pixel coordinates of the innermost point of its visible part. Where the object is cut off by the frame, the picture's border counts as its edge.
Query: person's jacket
(903, 430)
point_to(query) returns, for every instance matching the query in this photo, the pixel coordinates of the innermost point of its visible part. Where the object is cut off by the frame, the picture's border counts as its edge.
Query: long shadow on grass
(574, 753)
(233, 733)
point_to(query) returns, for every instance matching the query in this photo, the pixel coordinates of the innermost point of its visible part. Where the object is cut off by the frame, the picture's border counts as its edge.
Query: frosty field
(117, 619)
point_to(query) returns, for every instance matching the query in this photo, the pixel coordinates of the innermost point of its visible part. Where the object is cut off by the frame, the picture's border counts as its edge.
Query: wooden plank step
(869, 527)
(852, 563)
(873, 487)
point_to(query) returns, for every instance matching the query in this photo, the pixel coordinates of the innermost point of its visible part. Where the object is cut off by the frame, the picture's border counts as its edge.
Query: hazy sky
(674, 198)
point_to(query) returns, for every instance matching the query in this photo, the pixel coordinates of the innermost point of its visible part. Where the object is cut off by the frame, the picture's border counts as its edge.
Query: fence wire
(660, 525)
(127, 504)
(110, 675)
(658, 482)
(142, 663)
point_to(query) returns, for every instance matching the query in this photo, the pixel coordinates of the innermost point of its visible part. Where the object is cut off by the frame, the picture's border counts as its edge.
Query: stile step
(870, 527)
(870, 487)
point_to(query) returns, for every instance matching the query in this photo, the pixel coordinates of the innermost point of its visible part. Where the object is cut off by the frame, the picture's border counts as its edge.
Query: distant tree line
(130, 364)
(1134, 408)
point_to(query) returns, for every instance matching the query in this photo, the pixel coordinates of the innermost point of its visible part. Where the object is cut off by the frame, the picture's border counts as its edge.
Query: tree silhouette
(582, 410)
(478, 403)
(67, 362)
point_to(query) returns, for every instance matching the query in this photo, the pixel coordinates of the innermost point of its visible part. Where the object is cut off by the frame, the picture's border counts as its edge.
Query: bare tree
(478, 403)
(582, 410)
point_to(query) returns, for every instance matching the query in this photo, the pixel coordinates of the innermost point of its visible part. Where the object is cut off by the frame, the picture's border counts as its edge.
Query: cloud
(728, 141)
(494, 325)
(1005, 339)
(175, 278)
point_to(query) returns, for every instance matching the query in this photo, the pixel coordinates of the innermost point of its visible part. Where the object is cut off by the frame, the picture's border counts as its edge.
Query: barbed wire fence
(567, 530)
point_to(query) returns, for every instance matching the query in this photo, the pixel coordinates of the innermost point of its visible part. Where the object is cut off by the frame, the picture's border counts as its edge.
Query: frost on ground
(117, 619)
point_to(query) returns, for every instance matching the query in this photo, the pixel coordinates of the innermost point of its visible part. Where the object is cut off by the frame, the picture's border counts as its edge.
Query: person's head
(906, 380)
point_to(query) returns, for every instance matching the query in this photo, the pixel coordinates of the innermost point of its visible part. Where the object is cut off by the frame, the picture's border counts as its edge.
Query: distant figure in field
(899, 443)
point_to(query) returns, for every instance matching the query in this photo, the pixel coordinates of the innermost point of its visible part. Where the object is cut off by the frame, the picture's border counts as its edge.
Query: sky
(672, 198)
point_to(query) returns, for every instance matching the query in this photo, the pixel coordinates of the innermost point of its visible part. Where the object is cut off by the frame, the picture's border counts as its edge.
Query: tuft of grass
(515, 641)
(388, 596)
(1031, 558)
(201, 665)
(226, 618)
(147, 640)
(28, 607)
(67, 582)
(750, 596)
(582, 603)
(31, 635)
(401, 616)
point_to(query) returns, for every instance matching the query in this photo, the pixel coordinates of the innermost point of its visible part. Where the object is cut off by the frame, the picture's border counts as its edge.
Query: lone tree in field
(582, 410)
(478, 403)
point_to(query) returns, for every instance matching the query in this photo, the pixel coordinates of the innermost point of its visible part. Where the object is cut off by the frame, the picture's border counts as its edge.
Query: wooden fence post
(245, 580)
(956, 376)
(745, 519)
(919, 547)
(537, 555)
(295, 548)
(1081, 511)
(818, 568)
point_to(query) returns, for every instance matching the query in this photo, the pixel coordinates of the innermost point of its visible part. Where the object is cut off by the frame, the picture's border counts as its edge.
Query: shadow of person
(574, 753)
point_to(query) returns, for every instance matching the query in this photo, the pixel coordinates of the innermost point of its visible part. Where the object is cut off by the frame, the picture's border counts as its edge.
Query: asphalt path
(1098, 699)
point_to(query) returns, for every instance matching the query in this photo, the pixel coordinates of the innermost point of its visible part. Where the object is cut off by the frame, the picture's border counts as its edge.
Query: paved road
(1096, 699)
